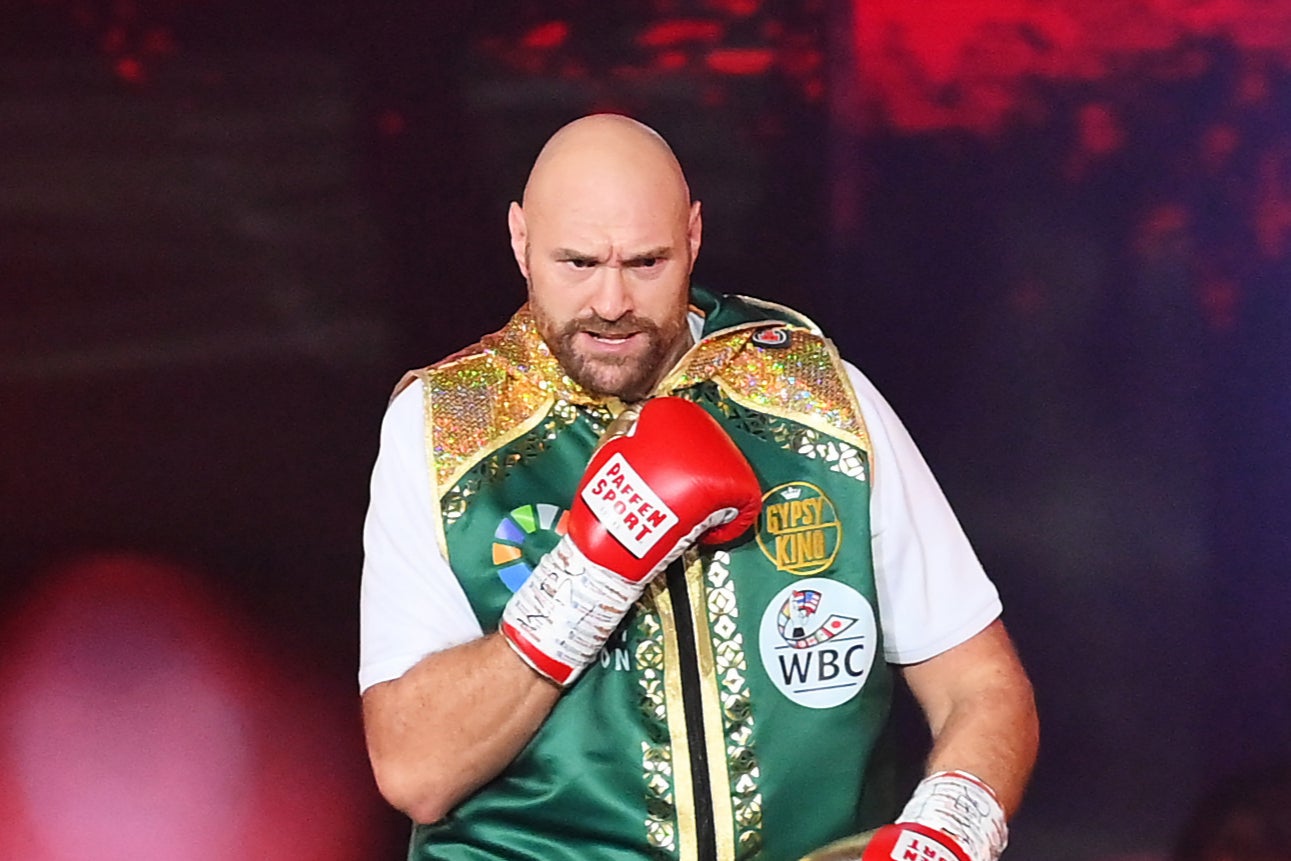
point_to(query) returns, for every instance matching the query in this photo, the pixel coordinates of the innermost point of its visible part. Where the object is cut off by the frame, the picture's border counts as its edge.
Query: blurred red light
(740, 61)
(547, 36)
(138, 719)
(129, 70)
(677, 30)
(391, 123)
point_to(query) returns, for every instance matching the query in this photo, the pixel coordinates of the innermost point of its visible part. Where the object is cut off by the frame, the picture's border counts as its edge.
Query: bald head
(606, 238)
(602, 149)
(605, 174)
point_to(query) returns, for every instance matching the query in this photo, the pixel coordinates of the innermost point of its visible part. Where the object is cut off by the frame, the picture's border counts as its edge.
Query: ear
(519, 236)
(694, 231)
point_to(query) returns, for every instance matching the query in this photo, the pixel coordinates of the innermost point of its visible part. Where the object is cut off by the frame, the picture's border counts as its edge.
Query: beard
(629, 377)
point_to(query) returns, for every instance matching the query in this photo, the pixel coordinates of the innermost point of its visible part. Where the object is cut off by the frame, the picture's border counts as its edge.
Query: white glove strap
(569, 606)
(962, 806)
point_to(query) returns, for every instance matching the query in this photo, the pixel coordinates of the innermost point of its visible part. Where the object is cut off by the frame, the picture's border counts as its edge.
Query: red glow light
(391, 123)
(138, 720)
(675, 31)
(546, 37)
(114, 40)
(1100, 132)
(159, 41)
(130, 70)
(671, 61)
(929, 68)
(1219, 300)
(737, 8)
(740, 61)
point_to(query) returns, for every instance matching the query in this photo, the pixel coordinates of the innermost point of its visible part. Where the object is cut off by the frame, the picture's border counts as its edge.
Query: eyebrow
(571, 254)
(662, 252)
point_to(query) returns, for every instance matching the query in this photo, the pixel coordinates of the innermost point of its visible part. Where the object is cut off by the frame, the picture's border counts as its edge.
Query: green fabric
(583, 787)
(727, 311)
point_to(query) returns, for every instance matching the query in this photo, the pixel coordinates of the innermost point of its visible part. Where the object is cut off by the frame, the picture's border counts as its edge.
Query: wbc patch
(627, 507)
(817, 641)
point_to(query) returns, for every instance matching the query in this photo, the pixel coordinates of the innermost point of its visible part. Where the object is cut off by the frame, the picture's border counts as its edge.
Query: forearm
(452, 723)
(994, 736)
(981, 711)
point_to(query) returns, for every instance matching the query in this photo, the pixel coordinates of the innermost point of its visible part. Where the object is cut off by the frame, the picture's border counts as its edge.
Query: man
(539, 682)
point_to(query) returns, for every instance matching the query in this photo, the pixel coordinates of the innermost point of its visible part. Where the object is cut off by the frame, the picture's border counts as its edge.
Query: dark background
(1056, 237)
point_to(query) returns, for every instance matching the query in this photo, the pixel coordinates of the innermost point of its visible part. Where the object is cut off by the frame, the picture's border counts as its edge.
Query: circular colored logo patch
(774, 336)
(817, 642)
(521, 527)
(798, 529)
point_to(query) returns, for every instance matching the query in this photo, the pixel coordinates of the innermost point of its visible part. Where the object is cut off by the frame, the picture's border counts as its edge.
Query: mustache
(598, 325)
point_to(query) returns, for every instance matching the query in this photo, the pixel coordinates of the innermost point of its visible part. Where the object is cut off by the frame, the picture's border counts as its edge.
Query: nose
(612, 298)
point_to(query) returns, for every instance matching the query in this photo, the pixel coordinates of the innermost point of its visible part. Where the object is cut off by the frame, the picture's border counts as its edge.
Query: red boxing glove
(910, 841)
(952, 816)
(664, 477)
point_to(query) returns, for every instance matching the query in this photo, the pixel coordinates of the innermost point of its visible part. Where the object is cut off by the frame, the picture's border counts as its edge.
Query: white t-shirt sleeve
(933, 594)
(410, 604)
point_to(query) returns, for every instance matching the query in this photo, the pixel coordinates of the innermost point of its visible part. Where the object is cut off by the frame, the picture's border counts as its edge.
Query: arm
(941, 626)
(978, 703)
(440, 727)
(451, 723)
(444, 707)
(980, 708)
(941, 616)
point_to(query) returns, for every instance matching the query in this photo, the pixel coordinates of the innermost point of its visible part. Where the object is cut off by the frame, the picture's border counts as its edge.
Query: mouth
(610, 340)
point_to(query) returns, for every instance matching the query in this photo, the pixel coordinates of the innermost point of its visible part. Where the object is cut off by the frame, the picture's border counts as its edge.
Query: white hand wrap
(963, 807)
(570, 606)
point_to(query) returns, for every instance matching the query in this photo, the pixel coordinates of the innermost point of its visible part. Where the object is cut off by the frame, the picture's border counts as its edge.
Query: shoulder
(873, 405)
(465, 364)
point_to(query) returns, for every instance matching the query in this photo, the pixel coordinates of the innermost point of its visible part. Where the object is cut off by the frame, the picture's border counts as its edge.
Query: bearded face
(606, 240)
(625, 357)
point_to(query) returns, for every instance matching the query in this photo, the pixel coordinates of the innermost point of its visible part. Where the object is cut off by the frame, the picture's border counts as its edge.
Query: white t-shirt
(932, 591)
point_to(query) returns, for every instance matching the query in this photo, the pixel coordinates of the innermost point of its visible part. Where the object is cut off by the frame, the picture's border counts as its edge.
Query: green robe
(735, 712)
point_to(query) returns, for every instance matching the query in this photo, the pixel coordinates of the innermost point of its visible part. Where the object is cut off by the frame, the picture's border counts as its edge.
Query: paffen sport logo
(817, 641)
(798, 528)
(627, 507)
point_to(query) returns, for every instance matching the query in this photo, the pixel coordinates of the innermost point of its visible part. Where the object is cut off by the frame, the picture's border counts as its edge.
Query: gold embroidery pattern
(562, 415)
(737, 713)
(802, 379)
(473, 404)
(656, 753)
(843, 457)
(706, 358)
(840, 456)
(510, 388)
(484, 395)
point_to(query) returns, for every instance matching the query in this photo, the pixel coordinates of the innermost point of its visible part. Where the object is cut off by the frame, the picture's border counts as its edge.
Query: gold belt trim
(683, 788)
(719, 780)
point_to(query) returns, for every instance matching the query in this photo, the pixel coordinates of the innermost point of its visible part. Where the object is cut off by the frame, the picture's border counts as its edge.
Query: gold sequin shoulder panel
(786, 371)
(473, 406)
